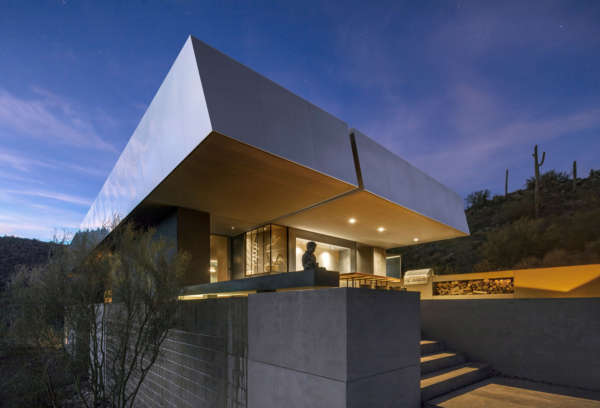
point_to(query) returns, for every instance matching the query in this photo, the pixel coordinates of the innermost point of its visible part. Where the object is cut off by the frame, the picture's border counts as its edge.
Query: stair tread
(431, 347)
(450, 373)
(437, 356)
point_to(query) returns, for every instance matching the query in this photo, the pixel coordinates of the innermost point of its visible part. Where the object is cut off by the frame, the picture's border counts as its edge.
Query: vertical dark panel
(292, 250)
(364, 259)
(237, 256)
(193, 237)
(394, 266)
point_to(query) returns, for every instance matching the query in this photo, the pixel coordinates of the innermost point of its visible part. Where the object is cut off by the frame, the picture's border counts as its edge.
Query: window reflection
(219, 258)
(266, 250)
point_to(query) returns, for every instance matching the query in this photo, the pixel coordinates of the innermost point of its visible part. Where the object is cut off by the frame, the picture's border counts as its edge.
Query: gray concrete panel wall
(329, 348)
(203, 361)
(383, 332)
(248, 107)
(550, 340)
(396, 180)
(300, 330)
(339, 347)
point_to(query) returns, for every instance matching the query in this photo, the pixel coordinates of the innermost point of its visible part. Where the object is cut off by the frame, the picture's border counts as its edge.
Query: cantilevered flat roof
(219, 137)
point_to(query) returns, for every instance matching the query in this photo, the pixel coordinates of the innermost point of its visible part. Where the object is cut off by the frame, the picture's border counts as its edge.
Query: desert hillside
(21, 251)
(506, 234)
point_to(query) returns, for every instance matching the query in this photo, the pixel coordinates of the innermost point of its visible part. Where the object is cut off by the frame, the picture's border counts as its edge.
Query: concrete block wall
(203, 361)
(549, 340)
(339, 347)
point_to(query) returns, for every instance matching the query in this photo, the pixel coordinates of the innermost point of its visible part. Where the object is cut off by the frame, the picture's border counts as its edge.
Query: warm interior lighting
(380, 229)
(325, 259)
(298, 251)
(204, 296)
(352, 220)
(415, 239)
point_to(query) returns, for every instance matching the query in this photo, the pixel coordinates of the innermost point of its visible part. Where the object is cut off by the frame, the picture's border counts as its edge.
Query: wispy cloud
(474, 134)
(16, 177)
(26, 164)
(28, 216)
(49, 117)
(40, 227)
(20, 162)
(446, 102)
(66, 198)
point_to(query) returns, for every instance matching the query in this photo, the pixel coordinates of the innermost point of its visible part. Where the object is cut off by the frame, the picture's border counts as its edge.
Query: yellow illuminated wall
(556, 282)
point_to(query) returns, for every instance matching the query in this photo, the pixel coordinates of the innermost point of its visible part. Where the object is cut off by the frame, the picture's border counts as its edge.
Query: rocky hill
(506, 234)
(21, 251)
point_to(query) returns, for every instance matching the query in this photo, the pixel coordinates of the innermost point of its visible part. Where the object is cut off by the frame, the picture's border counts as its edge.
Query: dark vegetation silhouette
(15, 252)
(505, 232)
(61, 345)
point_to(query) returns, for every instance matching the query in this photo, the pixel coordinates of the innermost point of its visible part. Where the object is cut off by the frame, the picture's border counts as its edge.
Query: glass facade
(275, 249)
(266, 250)
(219, 258)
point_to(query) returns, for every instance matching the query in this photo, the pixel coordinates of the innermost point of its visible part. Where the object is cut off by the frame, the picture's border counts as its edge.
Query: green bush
(549, 179)
(478, 198)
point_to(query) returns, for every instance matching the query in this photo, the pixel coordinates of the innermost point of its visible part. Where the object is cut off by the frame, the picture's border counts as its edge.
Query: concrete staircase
(444, 371)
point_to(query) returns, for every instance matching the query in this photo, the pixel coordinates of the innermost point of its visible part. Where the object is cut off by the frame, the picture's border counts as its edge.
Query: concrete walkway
(502, 392)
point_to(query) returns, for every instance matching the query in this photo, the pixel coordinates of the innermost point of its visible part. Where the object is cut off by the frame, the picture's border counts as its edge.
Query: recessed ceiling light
(380, 229)
(352, 220)
(415, 239)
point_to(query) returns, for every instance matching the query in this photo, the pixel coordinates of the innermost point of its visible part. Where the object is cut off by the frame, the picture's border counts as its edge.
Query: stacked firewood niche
(474, 287)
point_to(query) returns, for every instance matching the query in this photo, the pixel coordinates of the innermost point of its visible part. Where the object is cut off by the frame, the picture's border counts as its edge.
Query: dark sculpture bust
(309, 260)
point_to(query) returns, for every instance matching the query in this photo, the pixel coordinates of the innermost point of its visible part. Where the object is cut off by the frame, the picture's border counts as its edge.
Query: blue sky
(461, 89)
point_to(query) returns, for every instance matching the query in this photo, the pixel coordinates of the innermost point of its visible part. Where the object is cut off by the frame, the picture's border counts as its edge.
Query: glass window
(266, 250)
(278, 249)
(219, 258)
(331, 257)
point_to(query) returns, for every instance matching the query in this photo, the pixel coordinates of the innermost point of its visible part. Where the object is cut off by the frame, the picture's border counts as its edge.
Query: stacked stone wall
(493, 286)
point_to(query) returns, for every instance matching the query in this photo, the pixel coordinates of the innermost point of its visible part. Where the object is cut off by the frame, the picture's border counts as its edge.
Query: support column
(340, 347)
(193, 237)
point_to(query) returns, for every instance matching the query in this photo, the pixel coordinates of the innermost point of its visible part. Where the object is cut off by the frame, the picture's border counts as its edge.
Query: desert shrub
(478, 198)
(514, 210)
(528, 262)
(506, 246)
(110, 348)
(579, 229)
(549, 179)
(483, 266)
(556, 257)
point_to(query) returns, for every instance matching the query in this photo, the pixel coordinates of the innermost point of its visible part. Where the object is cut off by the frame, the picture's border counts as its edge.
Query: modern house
(242, 173)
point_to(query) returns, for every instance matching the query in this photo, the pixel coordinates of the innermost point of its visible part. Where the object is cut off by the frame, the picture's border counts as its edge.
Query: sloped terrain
(506, 234)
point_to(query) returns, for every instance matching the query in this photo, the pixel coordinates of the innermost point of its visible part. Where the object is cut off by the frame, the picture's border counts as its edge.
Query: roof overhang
(220, 138)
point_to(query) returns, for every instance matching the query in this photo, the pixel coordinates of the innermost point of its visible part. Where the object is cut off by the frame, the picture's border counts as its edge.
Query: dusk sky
(461, 89)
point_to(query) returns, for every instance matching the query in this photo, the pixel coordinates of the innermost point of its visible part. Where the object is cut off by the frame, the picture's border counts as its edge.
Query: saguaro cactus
(536, 191)
(506, 184)
(574, 175)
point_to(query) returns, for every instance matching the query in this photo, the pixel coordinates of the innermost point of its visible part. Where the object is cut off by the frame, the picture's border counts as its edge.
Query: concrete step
(441, 382)
(439, 361)
(431, 346)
